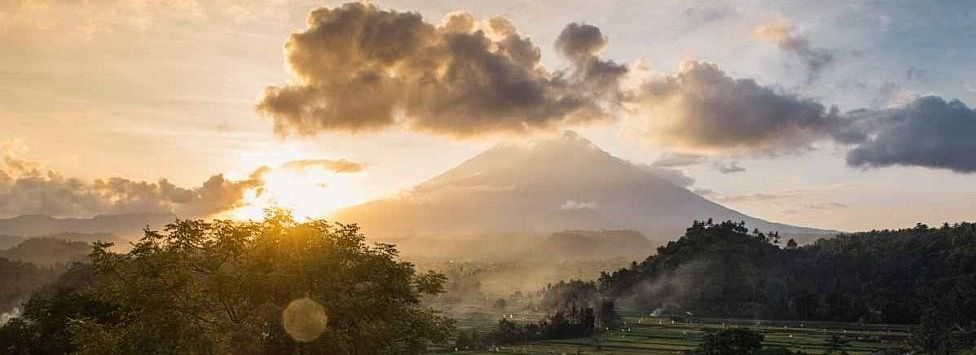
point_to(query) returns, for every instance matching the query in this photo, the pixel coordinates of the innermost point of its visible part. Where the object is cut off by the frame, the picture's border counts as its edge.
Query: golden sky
(753, 103)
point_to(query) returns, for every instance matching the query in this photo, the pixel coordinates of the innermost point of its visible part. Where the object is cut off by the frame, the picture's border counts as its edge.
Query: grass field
(642, 334)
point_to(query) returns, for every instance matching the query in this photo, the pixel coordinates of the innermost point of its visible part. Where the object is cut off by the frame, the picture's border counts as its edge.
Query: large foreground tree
(274, 287)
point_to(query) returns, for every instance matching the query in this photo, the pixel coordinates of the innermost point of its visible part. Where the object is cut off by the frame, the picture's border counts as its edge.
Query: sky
(848, 115)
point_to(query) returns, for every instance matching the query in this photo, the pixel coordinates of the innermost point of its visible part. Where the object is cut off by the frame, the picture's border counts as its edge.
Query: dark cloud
(928, 132)
(784, 35)
(582, 45)
(27, 188)
(703, 109)
(360, 68)
(580, 41)
(339, 166)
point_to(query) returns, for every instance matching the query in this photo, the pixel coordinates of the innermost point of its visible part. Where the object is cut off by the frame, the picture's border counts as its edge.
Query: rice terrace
(641, 333)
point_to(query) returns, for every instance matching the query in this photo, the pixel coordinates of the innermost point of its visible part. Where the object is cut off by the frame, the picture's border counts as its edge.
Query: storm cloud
(928, 132)
(362, 68)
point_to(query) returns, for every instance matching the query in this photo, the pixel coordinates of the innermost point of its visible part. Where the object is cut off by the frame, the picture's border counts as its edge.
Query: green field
(642, 334)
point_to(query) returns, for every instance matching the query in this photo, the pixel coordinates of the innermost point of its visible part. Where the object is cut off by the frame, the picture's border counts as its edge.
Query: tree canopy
(922, 275)
(271, 287)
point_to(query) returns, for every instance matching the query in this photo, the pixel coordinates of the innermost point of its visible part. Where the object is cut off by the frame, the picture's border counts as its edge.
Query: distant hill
(572, 246)
(583, 245)
(908, 276)
(125, 226)
(542, 188)
(48, 251)
(7, 241)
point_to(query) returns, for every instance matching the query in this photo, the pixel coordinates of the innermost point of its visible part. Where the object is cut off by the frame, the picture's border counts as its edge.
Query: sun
(307, 193)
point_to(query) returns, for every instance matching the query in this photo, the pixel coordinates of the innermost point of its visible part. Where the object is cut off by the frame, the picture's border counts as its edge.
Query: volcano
(547, 186)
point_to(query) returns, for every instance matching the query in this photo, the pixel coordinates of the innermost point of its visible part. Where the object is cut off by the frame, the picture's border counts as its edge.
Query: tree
(18, 279)
(500, 303)
(733, 341)
(791, 244)
(44, 326)
(272, 287)
(608, 316)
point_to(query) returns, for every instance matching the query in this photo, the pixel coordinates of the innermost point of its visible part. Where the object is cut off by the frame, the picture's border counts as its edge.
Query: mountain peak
(551, 159)
(544, 186)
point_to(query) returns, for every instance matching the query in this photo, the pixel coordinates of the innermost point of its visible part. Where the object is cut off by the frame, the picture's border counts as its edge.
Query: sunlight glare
(308, 193)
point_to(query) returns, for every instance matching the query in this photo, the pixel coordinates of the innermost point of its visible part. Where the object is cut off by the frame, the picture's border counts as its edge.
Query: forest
(922, 276)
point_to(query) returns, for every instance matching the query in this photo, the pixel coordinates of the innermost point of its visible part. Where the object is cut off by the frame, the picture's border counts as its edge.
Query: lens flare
(304, 320)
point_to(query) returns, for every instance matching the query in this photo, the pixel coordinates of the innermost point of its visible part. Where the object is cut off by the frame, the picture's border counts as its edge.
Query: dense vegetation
(276, 287)
(576, 324)
(18, 279)
(923, 275)
(28, 264)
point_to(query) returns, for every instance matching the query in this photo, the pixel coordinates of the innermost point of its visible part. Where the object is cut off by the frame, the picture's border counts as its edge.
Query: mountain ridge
(122, 225)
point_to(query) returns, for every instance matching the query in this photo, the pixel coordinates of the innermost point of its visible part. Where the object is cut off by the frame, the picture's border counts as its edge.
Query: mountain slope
(547, 186)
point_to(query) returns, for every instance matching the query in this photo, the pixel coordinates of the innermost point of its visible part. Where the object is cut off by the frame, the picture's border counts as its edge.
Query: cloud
(597, 78)
(698, 16)
(338, 166)
(578, 205)
(673, 176)
(360, 68)
(729, 168)
(674, 160)
(893, 95)
(825, 205)
(784, 35)
(761, 197)
(26, 187)
(928, 132)
(702, 109)
(580, 41)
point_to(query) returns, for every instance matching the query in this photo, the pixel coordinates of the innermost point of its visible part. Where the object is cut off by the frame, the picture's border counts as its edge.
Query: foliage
(44, 326)
(734, 341)
(921, 275)
(569, 296)
(222, 287)
(18, 279)
(577, 324)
